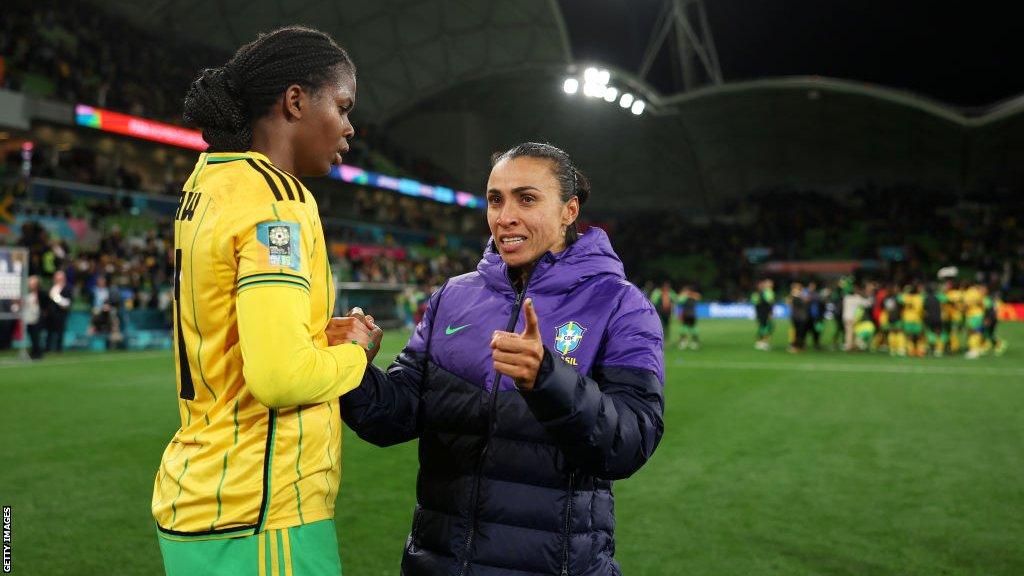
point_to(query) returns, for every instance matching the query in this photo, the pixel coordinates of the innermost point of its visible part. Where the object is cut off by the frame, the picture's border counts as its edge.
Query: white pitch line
(948, 370)
(105, 357)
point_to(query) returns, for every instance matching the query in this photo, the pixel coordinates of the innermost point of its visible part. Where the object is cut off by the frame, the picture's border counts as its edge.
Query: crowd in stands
(67, 51)
(336, 199)
(123, 272)
(373, 205)
(79, 53)
(126, 264)
(422, 271)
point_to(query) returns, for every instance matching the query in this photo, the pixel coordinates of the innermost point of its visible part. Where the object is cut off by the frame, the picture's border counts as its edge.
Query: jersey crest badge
(282, 240)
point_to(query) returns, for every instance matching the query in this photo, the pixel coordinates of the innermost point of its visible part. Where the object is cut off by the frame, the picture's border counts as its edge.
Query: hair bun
(213, 103)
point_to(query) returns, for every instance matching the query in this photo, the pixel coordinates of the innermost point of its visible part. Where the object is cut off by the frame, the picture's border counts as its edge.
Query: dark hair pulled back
(224, 101)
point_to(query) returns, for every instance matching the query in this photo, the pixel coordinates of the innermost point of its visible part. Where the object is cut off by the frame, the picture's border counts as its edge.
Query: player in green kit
(764, 301)
(664, 299)
(992, 342)
(934, 307)
(688, 299)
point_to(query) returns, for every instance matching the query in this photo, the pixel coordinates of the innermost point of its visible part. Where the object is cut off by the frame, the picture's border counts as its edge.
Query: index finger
(532, 328)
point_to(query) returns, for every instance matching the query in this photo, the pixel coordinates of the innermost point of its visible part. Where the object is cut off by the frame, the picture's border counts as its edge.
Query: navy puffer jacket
(515, 483)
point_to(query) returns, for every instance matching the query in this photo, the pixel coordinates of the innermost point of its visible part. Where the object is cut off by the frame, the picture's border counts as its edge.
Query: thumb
(531, 330)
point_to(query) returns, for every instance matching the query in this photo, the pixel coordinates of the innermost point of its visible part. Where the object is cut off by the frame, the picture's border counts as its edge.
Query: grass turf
(820, 463)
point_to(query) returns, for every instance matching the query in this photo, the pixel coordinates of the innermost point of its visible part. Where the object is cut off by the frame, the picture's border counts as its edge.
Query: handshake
(355, 328)
(517, 355)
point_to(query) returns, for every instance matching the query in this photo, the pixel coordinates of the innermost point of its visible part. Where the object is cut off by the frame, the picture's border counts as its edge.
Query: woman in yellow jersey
(248, 482)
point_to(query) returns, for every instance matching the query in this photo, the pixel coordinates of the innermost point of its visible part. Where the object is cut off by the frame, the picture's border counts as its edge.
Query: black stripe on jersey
(206, 532)
(286, 184)
(294, 180)
(267, 453)
(188, 387)
(272, 276)
(270, 181)
(273, 283)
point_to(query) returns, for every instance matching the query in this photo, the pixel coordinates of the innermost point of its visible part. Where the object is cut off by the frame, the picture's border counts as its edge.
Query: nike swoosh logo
(449, 330)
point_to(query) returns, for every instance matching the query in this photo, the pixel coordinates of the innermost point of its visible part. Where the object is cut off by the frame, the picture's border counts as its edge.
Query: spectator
(33, 316)
(58, 306)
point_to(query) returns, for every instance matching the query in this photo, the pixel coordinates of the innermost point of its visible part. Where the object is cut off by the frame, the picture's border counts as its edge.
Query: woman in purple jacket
(531, 384)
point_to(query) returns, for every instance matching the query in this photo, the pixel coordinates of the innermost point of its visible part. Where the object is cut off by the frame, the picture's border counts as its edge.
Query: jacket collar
(591, 255)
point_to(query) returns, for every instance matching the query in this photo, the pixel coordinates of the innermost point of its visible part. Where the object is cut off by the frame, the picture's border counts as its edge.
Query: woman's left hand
(518, 356)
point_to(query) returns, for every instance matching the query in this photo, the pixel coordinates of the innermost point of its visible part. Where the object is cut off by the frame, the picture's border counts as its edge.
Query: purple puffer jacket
(518, 483)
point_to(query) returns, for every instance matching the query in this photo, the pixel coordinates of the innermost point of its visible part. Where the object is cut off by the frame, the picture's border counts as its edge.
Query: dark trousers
(665, 317)
(35, 336)
(800, 328)
(55, 333)
(816, 327)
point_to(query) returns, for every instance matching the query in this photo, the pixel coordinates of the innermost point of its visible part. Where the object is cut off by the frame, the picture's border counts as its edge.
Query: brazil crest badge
(568, 337)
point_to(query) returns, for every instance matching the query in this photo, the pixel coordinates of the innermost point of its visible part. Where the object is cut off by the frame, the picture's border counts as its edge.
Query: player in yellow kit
(974, 312)
(913, 319)
(247, 484)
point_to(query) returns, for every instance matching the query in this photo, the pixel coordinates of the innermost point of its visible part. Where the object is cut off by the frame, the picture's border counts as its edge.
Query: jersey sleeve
(282, 365)
(274, 247)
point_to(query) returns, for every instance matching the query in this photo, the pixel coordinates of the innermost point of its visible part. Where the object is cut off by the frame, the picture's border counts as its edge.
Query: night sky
(964, 54)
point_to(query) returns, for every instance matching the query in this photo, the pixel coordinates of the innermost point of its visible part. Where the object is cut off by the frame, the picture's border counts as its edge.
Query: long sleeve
(271, 250)
(611, 422)
(282, 365)
(385, 408)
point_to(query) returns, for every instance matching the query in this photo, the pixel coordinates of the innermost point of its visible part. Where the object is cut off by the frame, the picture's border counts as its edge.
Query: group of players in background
(912, 319)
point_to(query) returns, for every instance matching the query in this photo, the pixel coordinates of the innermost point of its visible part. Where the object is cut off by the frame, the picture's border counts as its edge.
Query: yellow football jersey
(974, 302)
(952, 308)
(913, 307)
(260, 440)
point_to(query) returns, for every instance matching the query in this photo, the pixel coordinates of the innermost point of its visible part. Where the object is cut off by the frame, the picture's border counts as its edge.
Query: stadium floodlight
(591, 75)
(571, 85)
(626, 100)
(603, 77)
(638, 107)
(610, 94)
(593, 89)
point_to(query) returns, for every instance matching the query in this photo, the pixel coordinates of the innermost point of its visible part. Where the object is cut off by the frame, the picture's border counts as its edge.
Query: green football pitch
(819, 463)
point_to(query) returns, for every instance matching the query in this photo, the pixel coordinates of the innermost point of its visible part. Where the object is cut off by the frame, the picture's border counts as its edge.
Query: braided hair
(224, 101)
(571, 180)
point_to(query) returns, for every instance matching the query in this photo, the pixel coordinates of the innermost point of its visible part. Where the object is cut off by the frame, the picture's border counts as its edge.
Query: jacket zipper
(568, 526)
(516, 307)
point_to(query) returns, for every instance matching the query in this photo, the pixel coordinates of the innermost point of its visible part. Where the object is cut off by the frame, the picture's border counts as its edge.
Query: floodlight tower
(694, 46)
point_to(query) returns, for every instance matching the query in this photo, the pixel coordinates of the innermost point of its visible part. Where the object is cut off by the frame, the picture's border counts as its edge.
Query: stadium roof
(709, 145)
(405, 50)
(456, 81)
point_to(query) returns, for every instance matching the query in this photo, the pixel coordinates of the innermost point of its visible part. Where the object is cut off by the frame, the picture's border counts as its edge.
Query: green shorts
(913, 328)
(976, 323)
(307, 550)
